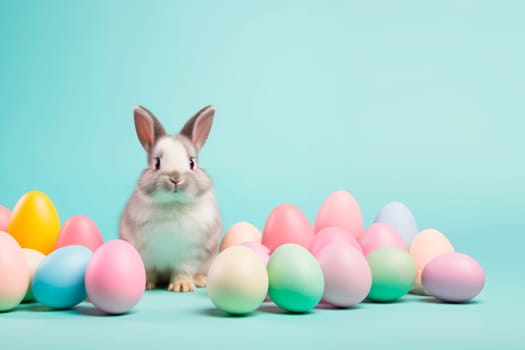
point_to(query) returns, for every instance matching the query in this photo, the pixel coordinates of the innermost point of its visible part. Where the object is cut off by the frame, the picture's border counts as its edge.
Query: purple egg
(453, 278)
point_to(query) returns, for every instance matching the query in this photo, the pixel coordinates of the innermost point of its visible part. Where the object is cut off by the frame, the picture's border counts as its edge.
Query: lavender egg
(453, 278)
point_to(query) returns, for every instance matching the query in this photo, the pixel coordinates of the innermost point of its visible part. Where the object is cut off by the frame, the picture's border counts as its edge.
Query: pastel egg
(296, 278)
(427, 245)
(115, 277)
(58, 282)
(393, 273)
(340, 209)
(453, 278)
(287, 224)
(35, 223)
(239, 233)
(333, 235)
(80, 230)
(14, 273)
(347, 276)
(397, 215)
(380, 235)
(234, 287)
(5, 217)
(33, 259)
(259, 249)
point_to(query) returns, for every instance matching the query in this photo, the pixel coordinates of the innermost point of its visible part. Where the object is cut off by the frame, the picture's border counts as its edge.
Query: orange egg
(35, 223)
(239, 233)
(427, 245)
(14, 273)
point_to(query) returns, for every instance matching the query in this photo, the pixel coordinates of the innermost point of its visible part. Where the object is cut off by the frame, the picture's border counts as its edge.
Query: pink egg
(262, 251)
(333, 235)
(340, 209)
(80, 230)
(287, 224)
(454, 277)
(5, 216)
(115, 277)
(14, 272)
(347, 276)
(380, 235)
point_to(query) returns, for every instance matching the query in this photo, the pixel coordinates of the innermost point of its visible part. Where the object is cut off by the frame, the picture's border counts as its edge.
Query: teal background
(416, 101)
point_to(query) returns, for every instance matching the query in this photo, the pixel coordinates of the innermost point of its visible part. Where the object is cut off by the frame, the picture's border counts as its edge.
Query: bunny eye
(192, 163)
(157, 163)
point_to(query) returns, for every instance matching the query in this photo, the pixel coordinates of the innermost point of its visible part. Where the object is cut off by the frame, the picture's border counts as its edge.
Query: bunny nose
(176, 182)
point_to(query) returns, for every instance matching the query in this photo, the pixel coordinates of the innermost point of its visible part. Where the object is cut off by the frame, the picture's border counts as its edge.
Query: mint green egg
(296, 279)
(393, 273)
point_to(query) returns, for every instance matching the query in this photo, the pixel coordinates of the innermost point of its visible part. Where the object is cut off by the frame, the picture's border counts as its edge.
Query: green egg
(296, 278)
(393, 273)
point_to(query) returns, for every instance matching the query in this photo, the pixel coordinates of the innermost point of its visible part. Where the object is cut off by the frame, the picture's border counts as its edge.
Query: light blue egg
(397, 215)
(58, 282)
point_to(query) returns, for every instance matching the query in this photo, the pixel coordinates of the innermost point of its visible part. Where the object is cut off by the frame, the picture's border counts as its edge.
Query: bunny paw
(200, 280)
(151, 280)
(182, 283)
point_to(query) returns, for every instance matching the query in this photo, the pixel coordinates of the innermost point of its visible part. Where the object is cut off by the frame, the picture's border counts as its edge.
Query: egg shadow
(386, 302)
(431, 300)
(274, 309)
(222, 314)
(326, 306)
(94, 312)
(34, 307)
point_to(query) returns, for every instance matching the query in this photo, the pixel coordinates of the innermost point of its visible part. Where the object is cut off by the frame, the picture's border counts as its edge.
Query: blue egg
(397, 215)
(59, 280)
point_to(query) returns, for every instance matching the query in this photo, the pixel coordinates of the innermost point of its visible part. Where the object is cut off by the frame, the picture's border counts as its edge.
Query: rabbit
(172, 217)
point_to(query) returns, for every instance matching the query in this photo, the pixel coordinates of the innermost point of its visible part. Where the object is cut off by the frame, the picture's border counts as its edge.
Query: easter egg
(393, 273)
(239, 233)
(14, 273)
(340, 209)
(58, 282)
(453, 278)
(237, 280)
(287, 224)
(397, 215)
(259, 249)
(333, 235)
(347, 276)
(33, 259)
(80, 230)
(380, 235)
(427, 245)
(35, 223)
(296, 278)
(115, 277)
(5, 217)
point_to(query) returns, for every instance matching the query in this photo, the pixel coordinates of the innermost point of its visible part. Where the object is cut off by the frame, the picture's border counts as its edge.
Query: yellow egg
(239, 233)
(35, 223)
(427, 245)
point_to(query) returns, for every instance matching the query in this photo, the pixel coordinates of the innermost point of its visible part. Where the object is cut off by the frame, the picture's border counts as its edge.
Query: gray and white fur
(172, 217)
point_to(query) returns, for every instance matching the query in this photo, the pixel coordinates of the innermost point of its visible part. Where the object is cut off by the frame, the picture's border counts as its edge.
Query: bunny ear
(198, 127)
(148, 128)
